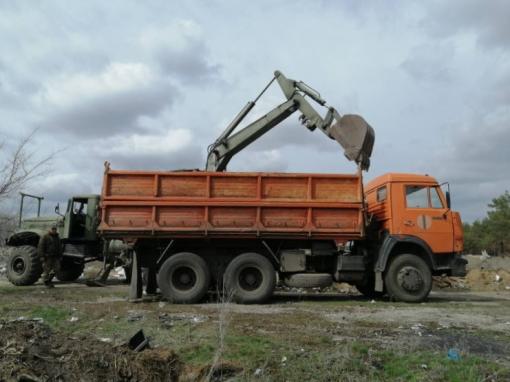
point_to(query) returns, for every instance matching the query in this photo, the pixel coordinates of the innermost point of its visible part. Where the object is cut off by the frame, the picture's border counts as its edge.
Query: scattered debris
(139, 341)
(73, 319)
(218, 372)
(453, 354)
(134, 315)
(445, 281)
(31, 351)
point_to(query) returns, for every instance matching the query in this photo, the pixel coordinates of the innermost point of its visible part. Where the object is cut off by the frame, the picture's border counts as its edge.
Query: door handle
(408, 223)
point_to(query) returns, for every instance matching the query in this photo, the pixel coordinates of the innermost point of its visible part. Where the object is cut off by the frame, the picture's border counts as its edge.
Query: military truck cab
(81, 218)
(78, 232)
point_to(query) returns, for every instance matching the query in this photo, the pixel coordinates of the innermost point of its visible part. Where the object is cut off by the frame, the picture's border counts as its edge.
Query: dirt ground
(75, 332)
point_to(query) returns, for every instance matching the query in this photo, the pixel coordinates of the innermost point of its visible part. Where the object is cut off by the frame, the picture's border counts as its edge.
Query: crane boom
(351, 131)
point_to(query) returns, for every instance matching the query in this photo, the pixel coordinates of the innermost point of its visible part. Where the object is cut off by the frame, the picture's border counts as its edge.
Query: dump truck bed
(226, 204)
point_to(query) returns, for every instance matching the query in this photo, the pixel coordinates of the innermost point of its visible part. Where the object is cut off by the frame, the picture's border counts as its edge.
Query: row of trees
(493, 232)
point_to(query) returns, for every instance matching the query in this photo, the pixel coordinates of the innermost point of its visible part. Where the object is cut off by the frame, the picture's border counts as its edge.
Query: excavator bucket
(356, 136)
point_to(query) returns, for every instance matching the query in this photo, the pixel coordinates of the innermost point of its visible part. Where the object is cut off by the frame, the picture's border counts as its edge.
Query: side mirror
(57, 210)
(448, 200)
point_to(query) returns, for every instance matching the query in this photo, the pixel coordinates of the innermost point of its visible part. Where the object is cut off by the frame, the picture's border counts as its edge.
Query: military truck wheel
(408, 278)
(184, 278)
(249, 278)
(24, 266)
(69, 270)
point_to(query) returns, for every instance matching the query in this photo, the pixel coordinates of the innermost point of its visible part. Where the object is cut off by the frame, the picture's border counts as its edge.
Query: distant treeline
(492, 233)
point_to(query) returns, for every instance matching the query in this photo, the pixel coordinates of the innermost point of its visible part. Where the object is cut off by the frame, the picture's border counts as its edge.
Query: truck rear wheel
(184, 278)
(408, 278)
(24, 266)
(249, 278)
(69, 270)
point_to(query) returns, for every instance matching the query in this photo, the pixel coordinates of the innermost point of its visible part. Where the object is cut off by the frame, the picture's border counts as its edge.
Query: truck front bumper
(458, 266)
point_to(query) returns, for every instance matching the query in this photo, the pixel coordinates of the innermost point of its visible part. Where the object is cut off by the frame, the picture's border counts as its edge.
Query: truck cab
(411, 213)
(81, 218)
(77, 229)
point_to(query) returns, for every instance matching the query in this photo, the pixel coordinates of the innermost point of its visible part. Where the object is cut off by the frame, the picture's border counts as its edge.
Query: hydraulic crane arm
(350, 131)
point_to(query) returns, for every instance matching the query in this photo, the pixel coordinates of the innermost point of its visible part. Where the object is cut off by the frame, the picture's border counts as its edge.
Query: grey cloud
(430, 62)
(488, 20)
(189, 157)
(189, 65)
(112, 114)
(476, 164)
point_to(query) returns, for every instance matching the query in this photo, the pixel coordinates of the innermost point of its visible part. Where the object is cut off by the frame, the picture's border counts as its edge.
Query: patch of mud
(31, 351)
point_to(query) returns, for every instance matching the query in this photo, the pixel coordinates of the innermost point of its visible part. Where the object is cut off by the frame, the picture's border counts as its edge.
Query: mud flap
(135, 287)
(379, 286)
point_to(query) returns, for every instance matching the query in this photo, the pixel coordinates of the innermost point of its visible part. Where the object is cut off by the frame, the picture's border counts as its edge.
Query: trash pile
(31, 351)
(484, 273)
(449, 282)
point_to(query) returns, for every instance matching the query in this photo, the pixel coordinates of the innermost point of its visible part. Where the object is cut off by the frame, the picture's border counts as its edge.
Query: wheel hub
(18, 266)
(250, 278)
(184, 278)
(410, 279)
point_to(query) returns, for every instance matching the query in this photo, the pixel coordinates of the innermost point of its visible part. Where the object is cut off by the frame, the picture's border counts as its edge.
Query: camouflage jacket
(49, 246)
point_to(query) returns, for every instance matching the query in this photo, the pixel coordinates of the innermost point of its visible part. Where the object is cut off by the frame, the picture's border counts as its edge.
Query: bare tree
(21, 166)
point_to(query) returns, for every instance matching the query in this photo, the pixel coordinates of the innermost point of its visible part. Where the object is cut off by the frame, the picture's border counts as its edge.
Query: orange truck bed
(225, 204)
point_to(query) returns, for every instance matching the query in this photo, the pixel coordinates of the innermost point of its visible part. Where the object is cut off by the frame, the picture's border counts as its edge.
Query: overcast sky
(149, 85)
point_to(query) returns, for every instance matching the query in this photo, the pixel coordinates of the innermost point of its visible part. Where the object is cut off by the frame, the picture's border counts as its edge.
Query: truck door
(426, 216)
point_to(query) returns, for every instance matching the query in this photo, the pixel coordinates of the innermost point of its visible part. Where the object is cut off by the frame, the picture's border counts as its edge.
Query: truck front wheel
(24, 266)
(184, 278)
(408, 278)
(249, 278)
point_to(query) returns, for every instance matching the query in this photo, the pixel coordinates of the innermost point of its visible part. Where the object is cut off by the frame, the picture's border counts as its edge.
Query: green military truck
(77, 229)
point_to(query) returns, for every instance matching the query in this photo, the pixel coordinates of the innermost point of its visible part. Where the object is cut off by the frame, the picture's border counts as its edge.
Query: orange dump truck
(244, 232)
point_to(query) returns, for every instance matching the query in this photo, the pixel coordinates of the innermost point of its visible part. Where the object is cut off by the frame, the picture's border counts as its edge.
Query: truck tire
(249, 278)
(408, 278)
(69, 270)
(308, 280)
(24, 267)
(184, 278)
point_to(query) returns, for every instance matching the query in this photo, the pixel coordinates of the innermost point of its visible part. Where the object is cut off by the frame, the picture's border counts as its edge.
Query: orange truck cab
(411, 215)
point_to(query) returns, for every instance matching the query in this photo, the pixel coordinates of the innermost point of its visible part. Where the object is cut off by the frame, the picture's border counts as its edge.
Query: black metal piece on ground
(138, 342)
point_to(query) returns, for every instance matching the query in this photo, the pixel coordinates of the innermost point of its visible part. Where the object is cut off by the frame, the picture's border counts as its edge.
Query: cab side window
(382, 194)
(423, 197)
(417, 197)
(435, 200)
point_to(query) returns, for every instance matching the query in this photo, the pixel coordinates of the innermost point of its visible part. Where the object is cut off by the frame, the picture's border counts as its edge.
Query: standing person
(50, 252)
